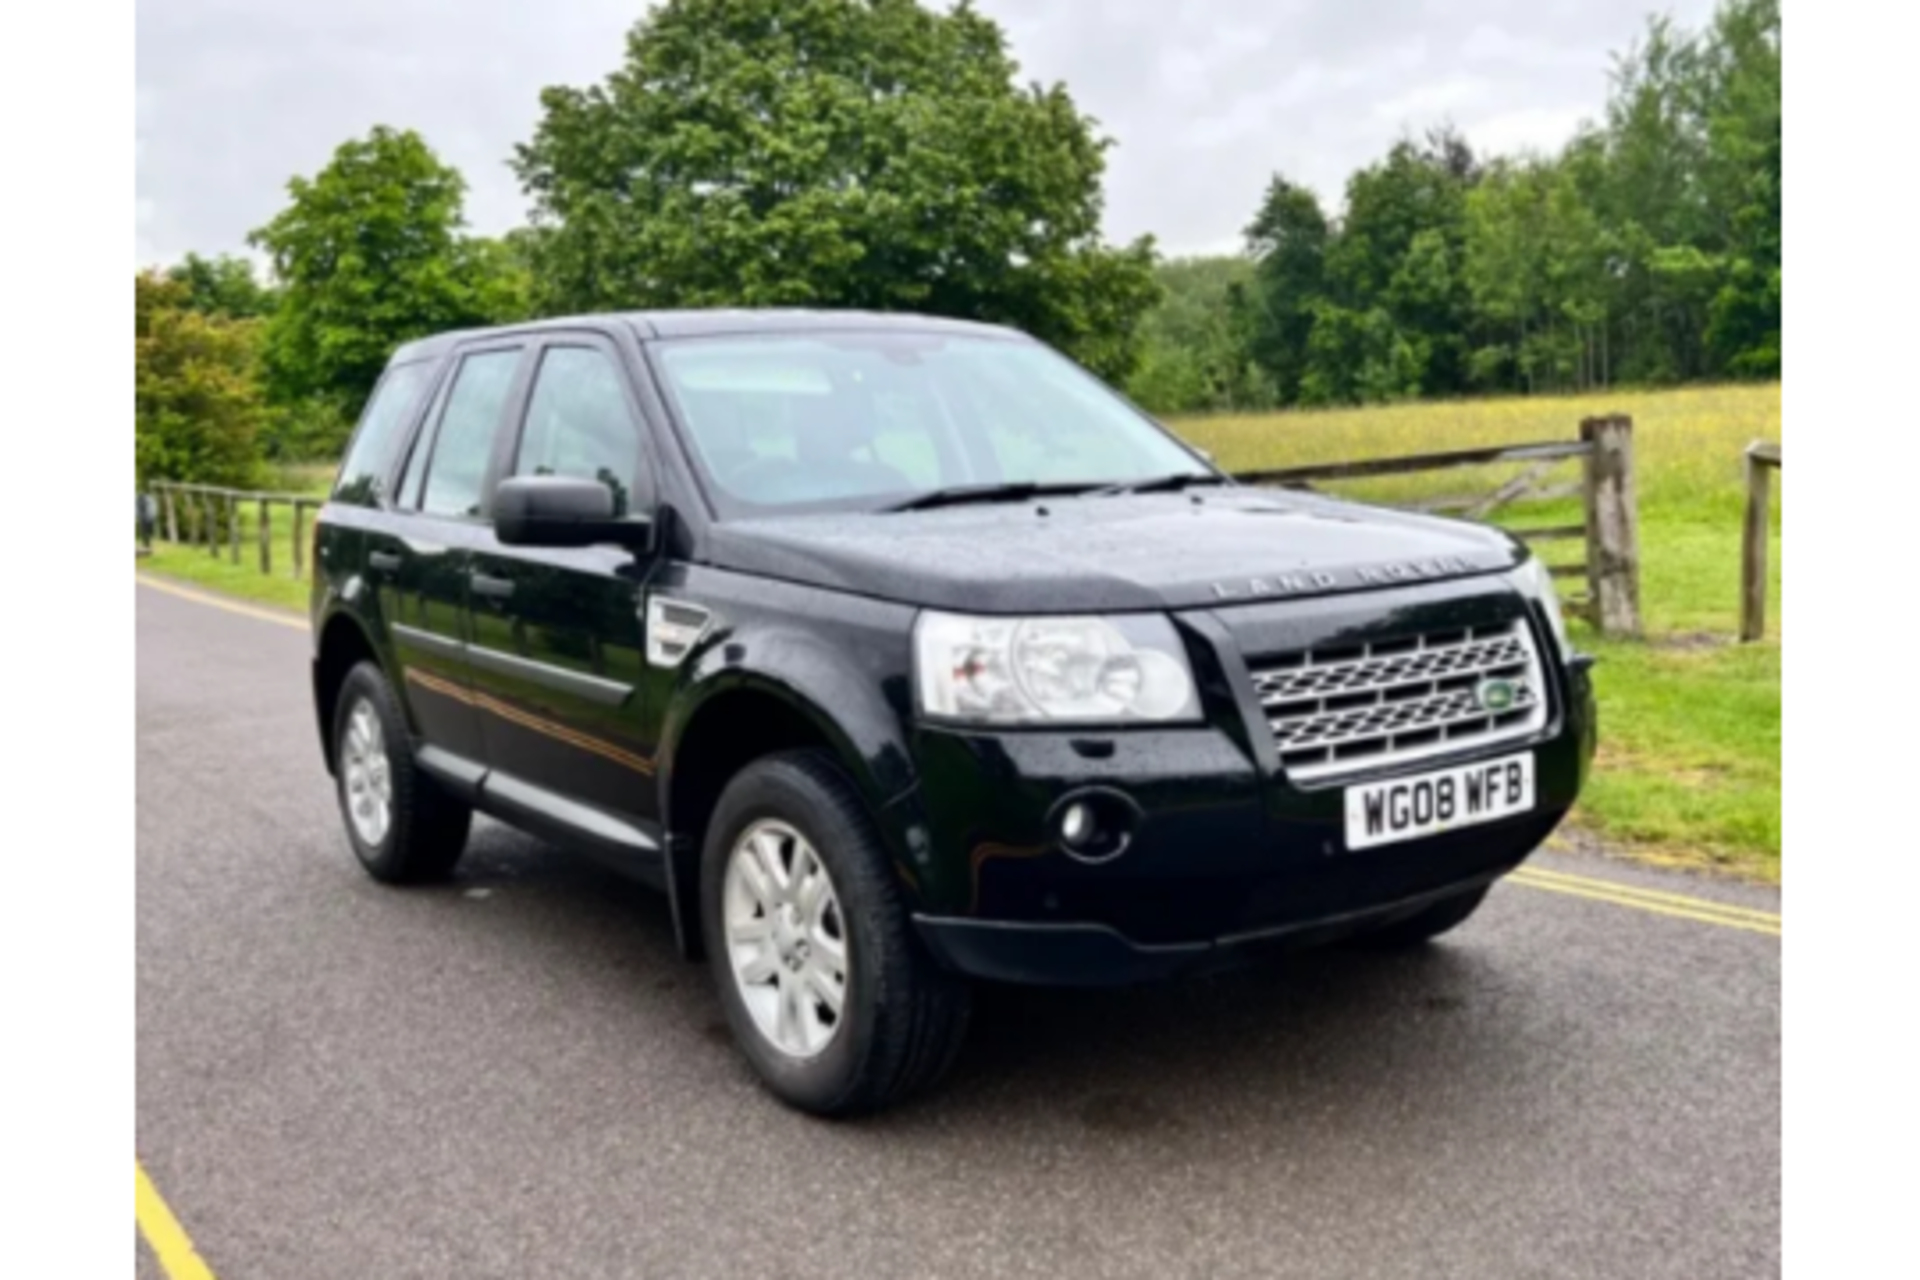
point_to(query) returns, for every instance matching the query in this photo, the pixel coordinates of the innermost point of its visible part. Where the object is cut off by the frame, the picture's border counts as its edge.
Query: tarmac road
(514, 1076)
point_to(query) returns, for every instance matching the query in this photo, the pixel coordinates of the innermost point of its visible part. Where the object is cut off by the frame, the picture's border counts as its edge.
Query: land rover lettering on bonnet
(1322, 580)
(901, 654)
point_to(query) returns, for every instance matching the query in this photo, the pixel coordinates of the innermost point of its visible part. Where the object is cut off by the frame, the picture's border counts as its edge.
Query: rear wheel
(402, 825)
(1430, 923)
(830, 997)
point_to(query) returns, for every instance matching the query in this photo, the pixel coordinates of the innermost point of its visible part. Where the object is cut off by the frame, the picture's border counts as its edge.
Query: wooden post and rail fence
(211, 516)
(1609, 531)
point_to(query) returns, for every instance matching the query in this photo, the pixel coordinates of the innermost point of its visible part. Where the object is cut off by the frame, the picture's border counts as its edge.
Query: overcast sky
(1206, 98)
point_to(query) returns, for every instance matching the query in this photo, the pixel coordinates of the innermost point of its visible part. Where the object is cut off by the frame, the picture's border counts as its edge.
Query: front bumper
(1229, 859)
(1095, 955)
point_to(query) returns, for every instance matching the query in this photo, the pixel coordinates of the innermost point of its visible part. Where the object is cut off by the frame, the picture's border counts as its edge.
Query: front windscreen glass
(865, 421)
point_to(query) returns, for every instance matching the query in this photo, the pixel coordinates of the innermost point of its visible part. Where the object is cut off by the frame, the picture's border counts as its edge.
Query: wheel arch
(343, 644)
(727, 718)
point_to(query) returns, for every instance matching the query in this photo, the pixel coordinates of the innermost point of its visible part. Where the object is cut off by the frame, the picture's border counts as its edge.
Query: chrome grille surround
(1339, 710)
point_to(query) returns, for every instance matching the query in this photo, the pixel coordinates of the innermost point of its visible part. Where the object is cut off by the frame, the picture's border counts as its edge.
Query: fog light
(1095, 824)
(1076, 824)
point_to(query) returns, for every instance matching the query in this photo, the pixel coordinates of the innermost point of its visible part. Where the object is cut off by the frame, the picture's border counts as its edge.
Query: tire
(1430, 923)
(901, 1019)
(425, 831)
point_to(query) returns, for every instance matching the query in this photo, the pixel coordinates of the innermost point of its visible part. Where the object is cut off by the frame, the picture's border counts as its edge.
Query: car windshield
(869, 421)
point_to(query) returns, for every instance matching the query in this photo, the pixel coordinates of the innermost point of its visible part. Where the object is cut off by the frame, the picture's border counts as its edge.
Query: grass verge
(194, 566)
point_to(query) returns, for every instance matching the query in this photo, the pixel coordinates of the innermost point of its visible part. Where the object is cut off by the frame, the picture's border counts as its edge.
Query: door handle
(496, 589)
(384, 561)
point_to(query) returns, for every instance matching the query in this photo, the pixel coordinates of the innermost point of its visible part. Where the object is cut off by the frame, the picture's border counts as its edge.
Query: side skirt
(633, 849)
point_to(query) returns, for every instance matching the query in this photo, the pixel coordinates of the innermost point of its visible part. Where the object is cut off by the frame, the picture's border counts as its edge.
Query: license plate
(1428, 804)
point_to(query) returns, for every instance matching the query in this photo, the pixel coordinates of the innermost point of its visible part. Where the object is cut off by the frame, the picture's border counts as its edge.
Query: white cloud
(1537, 129)
(1438, 99)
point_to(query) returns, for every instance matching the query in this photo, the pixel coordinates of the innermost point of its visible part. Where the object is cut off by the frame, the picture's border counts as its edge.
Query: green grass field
(1690, 722)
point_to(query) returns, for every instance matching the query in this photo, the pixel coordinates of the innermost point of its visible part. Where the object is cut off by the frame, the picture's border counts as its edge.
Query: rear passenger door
(421, 565)
(557, 642)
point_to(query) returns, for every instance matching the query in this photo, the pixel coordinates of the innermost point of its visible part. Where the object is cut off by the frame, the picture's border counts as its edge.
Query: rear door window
(463, 441)
(363, 476)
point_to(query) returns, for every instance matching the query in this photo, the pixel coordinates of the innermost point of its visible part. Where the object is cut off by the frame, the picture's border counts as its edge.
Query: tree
(1537, 269)
(853, 153)
(1193, 354)
(1694, 156)
(1358, 357)
(1376, 305)
(196, 402)
(1743, 179)
(222, 286)
(1288, 240)
(1400, 251)
(369, 255)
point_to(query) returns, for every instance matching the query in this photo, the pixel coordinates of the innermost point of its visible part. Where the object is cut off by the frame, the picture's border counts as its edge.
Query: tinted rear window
(363, 476)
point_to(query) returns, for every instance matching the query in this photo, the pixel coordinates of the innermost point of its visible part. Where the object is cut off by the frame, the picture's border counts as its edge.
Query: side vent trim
(674, 627)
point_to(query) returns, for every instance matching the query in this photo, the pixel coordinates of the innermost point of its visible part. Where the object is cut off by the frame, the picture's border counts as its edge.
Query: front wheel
(830, 997)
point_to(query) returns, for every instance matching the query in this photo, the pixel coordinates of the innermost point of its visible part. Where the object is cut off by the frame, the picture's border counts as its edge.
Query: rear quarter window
(383, 424)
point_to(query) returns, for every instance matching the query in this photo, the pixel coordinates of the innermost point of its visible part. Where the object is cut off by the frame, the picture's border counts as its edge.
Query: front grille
(1347, 709)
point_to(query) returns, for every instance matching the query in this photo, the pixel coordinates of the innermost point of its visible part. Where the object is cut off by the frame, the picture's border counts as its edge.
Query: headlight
(1533, 579)
(1040, 670)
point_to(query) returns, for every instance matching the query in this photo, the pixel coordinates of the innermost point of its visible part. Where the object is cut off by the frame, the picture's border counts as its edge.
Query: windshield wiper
(963, 494)
(1162, 484)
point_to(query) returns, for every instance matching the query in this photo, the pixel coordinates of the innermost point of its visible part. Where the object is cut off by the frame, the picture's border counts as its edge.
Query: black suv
(901, 652)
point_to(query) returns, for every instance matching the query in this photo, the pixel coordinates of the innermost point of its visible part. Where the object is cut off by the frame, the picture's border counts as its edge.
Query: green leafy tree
(851, 153)
(1537, 268)
(1693, 192)
(1358, 357)
(222, 286)
(1288, 240)
(1376, 305)
(1400, 251)
(1194, 355)
(1743, 179)
(197, 405)
(369, 254)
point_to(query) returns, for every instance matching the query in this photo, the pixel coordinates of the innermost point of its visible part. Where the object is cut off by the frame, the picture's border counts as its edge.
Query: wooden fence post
(266, 538)
(299, 534)
(210, 524)
(1613, 525)
(233, 526)
(1762, 460)
(173, 524)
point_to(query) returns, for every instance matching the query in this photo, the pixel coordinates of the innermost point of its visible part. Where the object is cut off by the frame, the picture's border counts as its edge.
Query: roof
(709, 323)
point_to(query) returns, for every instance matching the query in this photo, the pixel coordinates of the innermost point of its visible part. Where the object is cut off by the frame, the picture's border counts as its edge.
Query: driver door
(557, 648)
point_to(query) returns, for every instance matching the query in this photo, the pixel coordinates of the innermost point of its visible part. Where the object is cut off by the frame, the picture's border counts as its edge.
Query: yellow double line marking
(1678, 906)
(163, 1232)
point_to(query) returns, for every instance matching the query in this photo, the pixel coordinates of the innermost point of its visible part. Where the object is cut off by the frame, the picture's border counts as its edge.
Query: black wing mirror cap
(564, 511)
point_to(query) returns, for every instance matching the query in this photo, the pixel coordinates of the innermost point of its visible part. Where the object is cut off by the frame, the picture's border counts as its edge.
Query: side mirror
(564, 511)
